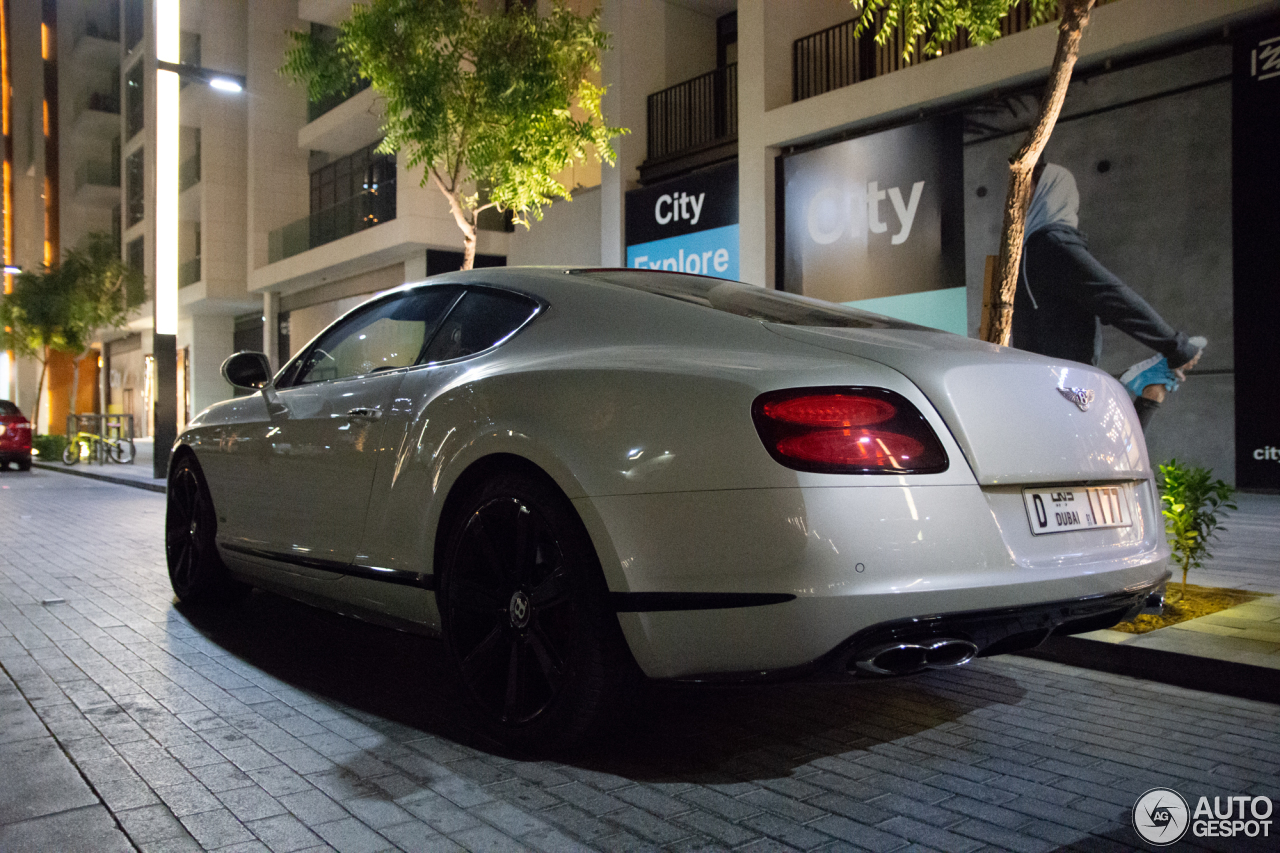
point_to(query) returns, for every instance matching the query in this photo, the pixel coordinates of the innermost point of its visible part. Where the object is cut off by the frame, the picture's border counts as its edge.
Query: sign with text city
(1255, 116)
(881, 218)
(687, 224)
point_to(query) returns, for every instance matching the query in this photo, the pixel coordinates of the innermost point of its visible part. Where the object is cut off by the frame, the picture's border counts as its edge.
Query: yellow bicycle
(86, 444)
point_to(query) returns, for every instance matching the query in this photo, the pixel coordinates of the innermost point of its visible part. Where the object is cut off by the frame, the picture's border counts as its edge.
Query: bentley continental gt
(575, 477)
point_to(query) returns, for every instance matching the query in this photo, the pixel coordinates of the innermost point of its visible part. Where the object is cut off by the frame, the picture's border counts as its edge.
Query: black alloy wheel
(525, 615)
(196, 572)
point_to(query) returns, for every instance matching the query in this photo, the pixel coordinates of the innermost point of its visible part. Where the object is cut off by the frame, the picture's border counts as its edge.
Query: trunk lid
(1011, 412)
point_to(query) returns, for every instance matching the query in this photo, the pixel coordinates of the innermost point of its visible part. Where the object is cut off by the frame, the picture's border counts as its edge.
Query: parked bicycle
(88, 444)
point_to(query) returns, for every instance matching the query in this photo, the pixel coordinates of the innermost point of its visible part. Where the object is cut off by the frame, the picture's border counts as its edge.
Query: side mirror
(248, 370)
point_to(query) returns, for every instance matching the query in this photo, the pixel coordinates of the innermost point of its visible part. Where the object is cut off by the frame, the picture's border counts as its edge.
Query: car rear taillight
(847, 431)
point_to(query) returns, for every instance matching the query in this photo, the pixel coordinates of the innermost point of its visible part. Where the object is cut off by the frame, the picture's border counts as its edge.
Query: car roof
(729, 297)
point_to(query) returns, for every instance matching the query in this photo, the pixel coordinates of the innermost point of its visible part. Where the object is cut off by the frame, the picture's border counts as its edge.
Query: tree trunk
(75, 384)
(35, 413)
(1074, 16)
(468, 245)
(465, 219)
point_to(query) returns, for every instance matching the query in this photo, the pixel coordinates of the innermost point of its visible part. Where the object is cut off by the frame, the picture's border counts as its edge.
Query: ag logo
(1161, 816)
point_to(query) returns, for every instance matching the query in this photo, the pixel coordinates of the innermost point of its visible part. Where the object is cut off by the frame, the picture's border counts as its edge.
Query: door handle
(364, 414)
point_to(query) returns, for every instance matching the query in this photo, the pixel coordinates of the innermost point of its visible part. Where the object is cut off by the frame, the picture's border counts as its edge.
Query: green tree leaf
(62, 308)
(501, 102)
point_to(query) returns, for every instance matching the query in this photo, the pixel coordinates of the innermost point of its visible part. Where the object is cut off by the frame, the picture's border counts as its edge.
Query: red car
(15, 437)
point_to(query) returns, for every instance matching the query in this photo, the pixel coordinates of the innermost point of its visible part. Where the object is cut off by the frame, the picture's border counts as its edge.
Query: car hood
(1010, 411)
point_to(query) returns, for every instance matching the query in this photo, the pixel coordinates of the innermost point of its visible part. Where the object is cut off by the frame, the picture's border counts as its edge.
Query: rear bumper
(15, 454)
(996, 631)
(993, 631)
(855, 560)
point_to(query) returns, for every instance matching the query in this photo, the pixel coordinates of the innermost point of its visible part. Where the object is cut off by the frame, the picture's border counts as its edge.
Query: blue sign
(713, 252)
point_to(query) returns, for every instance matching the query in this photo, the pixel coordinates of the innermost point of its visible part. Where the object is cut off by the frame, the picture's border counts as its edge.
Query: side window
(481, 319)
(383, 336)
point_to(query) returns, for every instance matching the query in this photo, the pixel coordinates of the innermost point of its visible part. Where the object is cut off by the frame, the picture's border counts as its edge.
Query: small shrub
(49, 447)
(1191, 504)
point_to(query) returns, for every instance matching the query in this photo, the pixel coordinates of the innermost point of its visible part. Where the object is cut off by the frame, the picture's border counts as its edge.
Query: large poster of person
(1127, 259)
(877, 221)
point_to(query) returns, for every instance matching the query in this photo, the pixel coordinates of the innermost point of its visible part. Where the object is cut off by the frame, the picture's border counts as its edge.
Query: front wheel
(71, 453)
(196, 572)
(537, 651)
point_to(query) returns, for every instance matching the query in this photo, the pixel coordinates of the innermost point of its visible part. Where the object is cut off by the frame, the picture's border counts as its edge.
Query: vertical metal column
(165, 401)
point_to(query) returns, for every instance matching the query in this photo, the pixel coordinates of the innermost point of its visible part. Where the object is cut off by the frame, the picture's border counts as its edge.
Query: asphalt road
(127, 722)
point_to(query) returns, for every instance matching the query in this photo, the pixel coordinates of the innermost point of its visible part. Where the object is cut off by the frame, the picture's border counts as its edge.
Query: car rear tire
(24, 464)
(196, 572)
(536, 650)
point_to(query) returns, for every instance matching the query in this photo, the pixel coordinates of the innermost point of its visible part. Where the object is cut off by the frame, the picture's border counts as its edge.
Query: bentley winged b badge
(1082, 397)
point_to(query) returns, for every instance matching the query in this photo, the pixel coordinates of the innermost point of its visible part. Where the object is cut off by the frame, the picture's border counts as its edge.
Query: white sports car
(569, 474)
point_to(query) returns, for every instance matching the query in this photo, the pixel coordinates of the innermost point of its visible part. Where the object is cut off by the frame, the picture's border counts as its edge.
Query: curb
(119, 481)
(1225, 677)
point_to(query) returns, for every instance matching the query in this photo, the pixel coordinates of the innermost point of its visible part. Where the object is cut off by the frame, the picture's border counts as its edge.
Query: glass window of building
(350, 194)
(135, 199)
(133, 18)
(365, 171)
(134, 104)
(133, 255)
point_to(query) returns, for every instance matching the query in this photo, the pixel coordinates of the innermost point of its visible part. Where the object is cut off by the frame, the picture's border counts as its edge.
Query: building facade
(851, 175)
(767, 143)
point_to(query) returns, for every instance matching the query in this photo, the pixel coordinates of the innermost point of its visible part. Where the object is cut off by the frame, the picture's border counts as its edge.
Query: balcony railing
(369, 208)
(189, 272)
(835, 57)
(315, 109)
(98, 173)
(694, 114)
(189, 173)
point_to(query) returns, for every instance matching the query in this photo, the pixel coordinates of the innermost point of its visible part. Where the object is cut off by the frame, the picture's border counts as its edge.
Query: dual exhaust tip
(907, 656)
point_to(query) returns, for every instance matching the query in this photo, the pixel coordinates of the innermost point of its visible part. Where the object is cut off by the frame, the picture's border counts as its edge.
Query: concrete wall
(223, 151)
(211, 340)
(784, 22)
(654, 45)
(278, 183)
(566, 236)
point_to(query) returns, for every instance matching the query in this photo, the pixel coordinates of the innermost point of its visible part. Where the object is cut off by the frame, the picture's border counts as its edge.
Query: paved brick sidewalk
(276, 726)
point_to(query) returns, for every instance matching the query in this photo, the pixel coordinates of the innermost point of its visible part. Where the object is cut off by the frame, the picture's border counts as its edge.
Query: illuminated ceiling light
(12, 269)
(167, 185)
(226, 84)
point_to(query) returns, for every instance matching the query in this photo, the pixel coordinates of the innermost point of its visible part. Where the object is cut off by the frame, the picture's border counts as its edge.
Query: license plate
(1078, 508)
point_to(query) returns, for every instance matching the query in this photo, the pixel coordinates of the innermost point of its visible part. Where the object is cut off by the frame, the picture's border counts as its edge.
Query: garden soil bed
(1199, 601)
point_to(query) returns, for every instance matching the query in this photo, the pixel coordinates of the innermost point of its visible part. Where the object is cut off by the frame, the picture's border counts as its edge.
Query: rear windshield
(8, 409)
(746, 300)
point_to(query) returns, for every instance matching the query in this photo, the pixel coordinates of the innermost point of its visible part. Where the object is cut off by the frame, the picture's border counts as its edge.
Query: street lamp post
(169, 74)
(165, 299)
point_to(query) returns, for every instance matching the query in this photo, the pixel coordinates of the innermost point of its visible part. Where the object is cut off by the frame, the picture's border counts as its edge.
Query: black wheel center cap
(519, 609)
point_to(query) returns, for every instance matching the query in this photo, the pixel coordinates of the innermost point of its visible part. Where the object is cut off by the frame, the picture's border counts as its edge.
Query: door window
(482, 318)
(383, 336)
